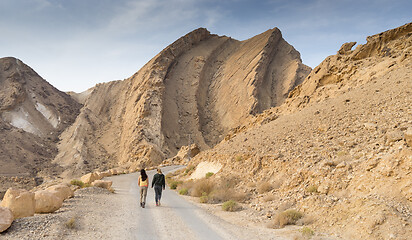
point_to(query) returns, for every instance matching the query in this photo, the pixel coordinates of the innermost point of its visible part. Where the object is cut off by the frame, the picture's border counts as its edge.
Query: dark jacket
(159, 180)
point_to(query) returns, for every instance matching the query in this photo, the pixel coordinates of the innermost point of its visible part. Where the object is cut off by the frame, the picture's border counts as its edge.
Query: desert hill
(333, 143)
(338, 149)
(32, 115)
(197, 88)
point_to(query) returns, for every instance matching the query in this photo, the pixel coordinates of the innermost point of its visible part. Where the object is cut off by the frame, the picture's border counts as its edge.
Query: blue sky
(75, 44)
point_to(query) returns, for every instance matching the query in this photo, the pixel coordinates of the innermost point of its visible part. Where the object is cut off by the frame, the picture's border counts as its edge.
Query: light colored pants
(143, 194)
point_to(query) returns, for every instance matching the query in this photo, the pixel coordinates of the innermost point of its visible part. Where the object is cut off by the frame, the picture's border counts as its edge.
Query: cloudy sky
(75, 44)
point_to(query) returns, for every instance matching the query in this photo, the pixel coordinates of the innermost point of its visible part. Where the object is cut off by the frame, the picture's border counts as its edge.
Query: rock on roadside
(47, 201)
(103, 184)
(89, 178)
(6, 219)
(20, 202)
(63, 191)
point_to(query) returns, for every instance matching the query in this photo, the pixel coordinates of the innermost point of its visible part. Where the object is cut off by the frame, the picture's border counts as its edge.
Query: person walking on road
(143, 184)
(159, 184)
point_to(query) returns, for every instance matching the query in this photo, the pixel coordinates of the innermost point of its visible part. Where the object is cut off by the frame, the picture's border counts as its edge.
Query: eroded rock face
(20, 202)
(6, 219)
(201, 85)
(381, 54)
(47, 201)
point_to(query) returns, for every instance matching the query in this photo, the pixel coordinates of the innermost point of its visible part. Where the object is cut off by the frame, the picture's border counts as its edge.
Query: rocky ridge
(195, 90)
(32, 115)
(337, 149)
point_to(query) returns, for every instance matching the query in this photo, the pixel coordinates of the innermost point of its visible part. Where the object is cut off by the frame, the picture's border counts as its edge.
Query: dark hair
(143, 174)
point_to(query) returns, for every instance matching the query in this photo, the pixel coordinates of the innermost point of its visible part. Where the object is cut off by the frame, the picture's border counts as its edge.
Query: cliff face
(196, 89)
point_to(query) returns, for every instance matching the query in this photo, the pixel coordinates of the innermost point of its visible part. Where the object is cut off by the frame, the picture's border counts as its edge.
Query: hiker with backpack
(143, 184)
(159, 184)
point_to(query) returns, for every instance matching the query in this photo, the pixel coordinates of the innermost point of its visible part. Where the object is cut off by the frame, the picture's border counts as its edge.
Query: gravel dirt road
(95, 213)
(176, 218)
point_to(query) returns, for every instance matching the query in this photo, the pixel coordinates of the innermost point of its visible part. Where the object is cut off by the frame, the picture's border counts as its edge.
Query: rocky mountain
(333, 143)
(338, 149)
(196, 89)
(32, 115)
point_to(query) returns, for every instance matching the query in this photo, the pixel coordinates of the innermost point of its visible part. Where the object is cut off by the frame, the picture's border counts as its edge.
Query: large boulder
(47, 201)
(89, 178)
(6, 219)
(62, 191)
(103, 184)
(114, 171)
(20, 202)
(105, 174)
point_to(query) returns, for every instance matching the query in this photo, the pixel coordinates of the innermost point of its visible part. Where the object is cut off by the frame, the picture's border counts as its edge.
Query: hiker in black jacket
(159, 185)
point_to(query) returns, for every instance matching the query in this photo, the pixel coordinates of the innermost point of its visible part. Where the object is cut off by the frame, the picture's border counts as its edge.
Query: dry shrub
(223, 195)
(306, 220)
(201, 186)
(263, 187)
(188, 185)
(269, 197)
(71, 223)
(288, 217)
(307, 233)
(204, 198)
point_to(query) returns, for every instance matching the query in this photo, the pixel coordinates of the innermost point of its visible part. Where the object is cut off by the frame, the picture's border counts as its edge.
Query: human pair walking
(158, 184)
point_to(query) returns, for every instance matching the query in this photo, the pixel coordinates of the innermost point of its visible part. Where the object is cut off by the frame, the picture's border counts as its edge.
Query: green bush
(77, 183)
(307, 232)
(209, 174)
(312, 189)
(204, 198)
(183, 191)
(189, 169)
(230, 206)
(173, 184)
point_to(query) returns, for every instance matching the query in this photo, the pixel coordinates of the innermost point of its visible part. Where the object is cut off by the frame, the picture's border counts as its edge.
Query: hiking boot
(143, 205)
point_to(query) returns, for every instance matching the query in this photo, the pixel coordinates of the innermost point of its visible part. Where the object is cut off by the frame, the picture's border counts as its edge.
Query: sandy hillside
(201, 85)
(32, 115)
(336, 149)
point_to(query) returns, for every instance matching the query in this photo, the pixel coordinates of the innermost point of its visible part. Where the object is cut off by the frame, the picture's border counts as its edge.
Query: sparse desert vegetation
(230, 206)
(288, 217)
